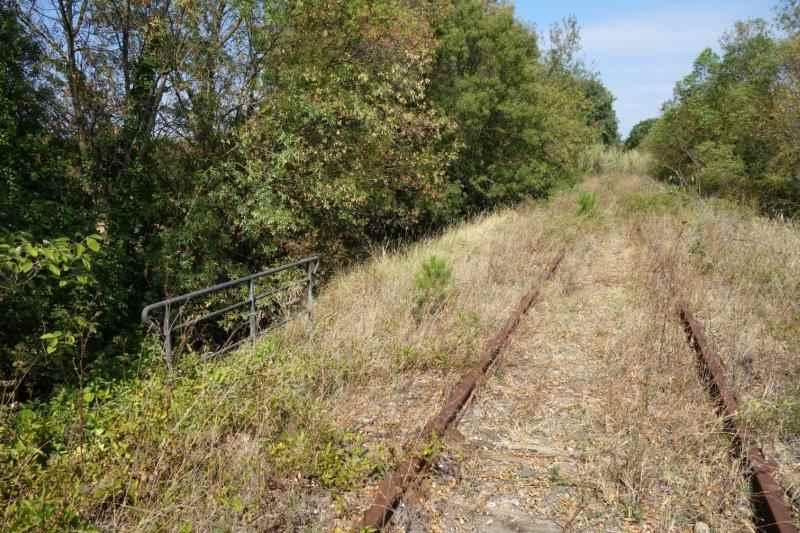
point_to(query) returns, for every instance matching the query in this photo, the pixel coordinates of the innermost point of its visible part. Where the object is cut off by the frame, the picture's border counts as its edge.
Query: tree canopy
(732, 127)
(638, 133)
(193, 142)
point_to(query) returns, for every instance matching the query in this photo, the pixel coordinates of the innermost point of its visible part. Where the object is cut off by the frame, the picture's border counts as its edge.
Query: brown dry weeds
(594, 419)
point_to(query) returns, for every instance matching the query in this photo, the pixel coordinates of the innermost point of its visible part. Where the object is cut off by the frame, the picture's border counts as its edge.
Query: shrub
(638, 133)
(731, 128)
(432, 283)
(719, 171)
(587, 203)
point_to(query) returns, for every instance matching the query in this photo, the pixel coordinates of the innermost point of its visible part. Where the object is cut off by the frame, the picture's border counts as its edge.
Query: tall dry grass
(292, 436)
(740, 272)
(606, 160)
(289, 436)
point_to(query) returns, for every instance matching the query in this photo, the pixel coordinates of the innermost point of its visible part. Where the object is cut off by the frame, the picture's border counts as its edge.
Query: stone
(506, 517)
(531, 525)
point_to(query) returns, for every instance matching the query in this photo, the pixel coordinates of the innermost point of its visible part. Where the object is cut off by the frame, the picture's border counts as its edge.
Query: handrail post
(167, 330)
(311, 268)
(253, 322)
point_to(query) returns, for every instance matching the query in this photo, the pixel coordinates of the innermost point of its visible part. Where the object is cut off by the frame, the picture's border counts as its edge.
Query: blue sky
(641, 48)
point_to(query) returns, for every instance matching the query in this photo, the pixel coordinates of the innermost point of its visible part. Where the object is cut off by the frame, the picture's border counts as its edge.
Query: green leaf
(54, 269)
(32, 251)
(26, 266)
(92, 244)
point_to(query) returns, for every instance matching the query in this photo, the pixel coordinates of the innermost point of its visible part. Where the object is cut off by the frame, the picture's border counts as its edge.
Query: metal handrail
(168, 326)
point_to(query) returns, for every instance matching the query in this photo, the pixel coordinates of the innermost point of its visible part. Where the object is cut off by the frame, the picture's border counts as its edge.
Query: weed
(554, 475)
(632, 509)
(655, 203)
(433, 448)
(411, 358)
(587, 204)
(432, 283)
(782, 413)
(337, 459)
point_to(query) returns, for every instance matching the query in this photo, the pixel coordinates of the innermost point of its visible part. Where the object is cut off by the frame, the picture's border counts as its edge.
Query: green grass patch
(668, 202)
(587, 204)
(782, 414)
(222, 428)
(432, 283)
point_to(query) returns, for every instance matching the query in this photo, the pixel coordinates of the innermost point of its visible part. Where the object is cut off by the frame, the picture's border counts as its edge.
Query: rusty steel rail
(391, 489)
(772, 515)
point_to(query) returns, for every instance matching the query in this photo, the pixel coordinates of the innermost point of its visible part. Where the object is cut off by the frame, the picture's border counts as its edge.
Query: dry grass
(740, 273)
(290, 436)
(599, 396)
(614, 160)
(293, 436)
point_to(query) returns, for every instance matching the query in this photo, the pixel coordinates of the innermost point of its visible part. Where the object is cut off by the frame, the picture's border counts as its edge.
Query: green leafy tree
(638, 133)
(601, 114)
(731, 128)
(789, 16)
(563, 61)
(518, 129)
(42, 290)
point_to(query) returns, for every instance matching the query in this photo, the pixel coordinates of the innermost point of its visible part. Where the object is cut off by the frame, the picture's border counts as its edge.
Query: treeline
(733, 126)
(149, 148)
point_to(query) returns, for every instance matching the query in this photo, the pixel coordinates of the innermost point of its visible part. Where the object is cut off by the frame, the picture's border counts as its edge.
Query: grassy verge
(211, 448)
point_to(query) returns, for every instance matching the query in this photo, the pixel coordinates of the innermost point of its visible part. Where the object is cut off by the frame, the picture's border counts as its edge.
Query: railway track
(392, 488)
(771, 514)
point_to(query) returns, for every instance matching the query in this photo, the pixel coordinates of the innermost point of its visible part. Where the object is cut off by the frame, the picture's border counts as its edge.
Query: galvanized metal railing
(175, 316)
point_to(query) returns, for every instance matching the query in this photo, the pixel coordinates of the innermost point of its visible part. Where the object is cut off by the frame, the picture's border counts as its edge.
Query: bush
(731, 129)
(587, 203)
(638, 133)
(432, 283)
(719, 170)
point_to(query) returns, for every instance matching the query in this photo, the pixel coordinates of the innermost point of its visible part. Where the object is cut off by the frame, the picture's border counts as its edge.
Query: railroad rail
(771, 514)
(391, 489)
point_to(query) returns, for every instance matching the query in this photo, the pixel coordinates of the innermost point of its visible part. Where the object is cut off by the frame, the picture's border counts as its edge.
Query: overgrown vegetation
(431, 282)
(151, 148)
(732, 128)
(639, 133)
(587, 203)
(196, 142)
(599, 159)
